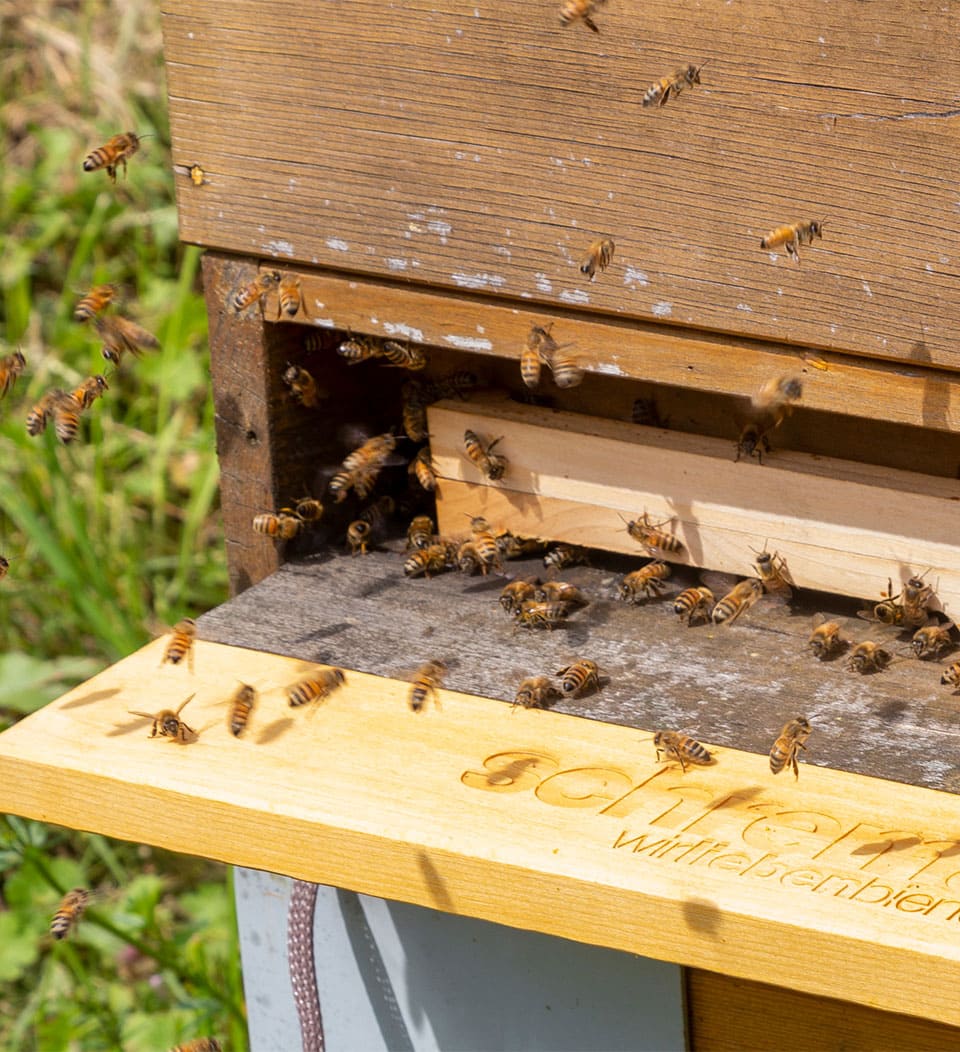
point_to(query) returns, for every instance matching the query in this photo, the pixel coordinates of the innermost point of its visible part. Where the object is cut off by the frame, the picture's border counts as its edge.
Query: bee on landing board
(316, 687)
(737, 601)
(682, 748)
(167, 723)
(255, 291)
(69, 912)
(419, 532)
(303, 387)
(560, 592)
(659, 93)
(11, 366)
(241, 705)
(869, 657)
(491, 465)
(120, 335)
(579, 678)
(199, 1044)
(536, 692)
(563, 556)
(645, 583)
(786, 749)
(932, 640)
(429, 561)
(290, 299)
(181, 643)
(532, 614)
(792, 236)
(426, 683)
(694, 605)
(773, 573)
(951, 675)
(825, 640)
(95, 302)
(115, 152)
(580, 11)
(598, 257)
(652, 537)
(515, 593)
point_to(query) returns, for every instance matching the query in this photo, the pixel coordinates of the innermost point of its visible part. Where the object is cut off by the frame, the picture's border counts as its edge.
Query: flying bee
(90, 390)
(792, 236)
(361, 468)
(422, 467)
(359, 349)
(786, 749)
(564, 555)
(515, 593)
(184, 633)
(580, 677)
(116, 151)
(415, 420)
(69, 912)
(772, 571)
(566, 370)
(580, 11)
(290, 299)
(427, 561)
(769, 407)
(120, 335)
(532, 614)
(254, 291)
(167, 723)
(682, 748)
(530, 366)
(40, 414)
(316, 687)
(652, 537)
(199, 1044)
(952, 675)
(560, 592)
(11, 366)
(95, 302)
(4, 566)
(825, 639)
(778, 394)
(404, 355)
(645, 583)
(869, 657)
(66, 417)
(541, 342)
(932, 640)
(737, 601)
(309, 509)
(536, 692)
(420, 532)
(491, 465)
(283, 526)
(241, 705)
(694, 604)
(598, 257)
(426, 682)
(303, 387)
(659, 93)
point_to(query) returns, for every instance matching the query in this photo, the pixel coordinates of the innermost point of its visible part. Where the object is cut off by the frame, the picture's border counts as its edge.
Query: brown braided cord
(303, 975)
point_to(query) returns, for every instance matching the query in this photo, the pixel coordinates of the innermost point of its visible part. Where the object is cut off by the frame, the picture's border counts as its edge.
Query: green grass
(110, 539)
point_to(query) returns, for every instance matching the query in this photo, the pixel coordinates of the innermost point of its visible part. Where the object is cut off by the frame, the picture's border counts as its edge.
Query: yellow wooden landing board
(836, 884)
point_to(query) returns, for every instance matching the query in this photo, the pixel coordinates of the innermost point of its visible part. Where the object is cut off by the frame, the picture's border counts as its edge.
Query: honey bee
(426, 683)
(316, 687)
(513, 547)
(566, 371)
(181, 643)
(4, 566)
(737, 601)
(427, 561)
(309, 509)
(773, 573)
(69, 912)
(197, 175)
(659, 93)
(95, 302)
(359, 349)
(645, 583)
(888, 611)
(11, 366)
(303, 387)
(120, 335)
(533, 614)
(792, 236)
(255, 291)
(753, 442)
(404, 355)
(932, 640)
(825, 639)
(778, 394)
(578, 678)
(40, 414)
(454, 385)
(290, 299)
(560, 592)
(644, 411)
(694, 604)
(491, 465)
(90, 390)
(414, 416)
(199, 1044)
(358, 536)
(530, 366)
(869, 657)
(772, 404)
(420, 532)
(598, 257)
(914, 599)
(951, 675)
(361, 468)
(536, 692)
(66, 417)
(283, 526)
(241, 705)
(682, 748)
(515, 593)
(786, 749)
(580, 11)
(485, 546)
(652, 537)
(116, 151)
(167, 723)
(422, 467)
(563, 556)
(541, 342)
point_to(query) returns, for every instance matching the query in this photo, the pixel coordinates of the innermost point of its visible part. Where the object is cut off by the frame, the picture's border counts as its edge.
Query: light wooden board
(481, 147)
(836, 884)
(842, 527)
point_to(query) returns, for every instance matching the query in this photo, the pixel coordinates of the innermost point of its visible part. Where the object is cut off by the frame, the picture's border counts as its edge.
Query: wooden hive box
(434, 175)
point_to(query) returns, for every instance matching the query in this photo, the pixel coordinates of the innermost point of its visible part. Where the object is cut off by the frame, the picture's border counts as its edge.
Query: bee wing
(145, 715)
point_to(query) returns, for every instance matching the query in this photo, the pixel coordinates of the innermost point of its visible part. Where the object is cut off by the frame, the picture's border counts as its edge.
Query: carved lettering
(510, 772)
(662, 799)
(582, 787)
(791, 832)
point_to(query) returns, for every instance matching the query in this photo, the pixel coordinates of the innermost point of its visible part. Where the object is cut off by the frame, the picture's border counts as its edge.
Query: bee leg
(590, 24)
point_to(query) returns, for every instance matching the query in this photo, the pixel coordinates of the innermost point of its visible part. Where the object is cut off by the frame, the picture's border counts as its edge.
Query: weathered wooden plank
(482, 148)
(533, 819)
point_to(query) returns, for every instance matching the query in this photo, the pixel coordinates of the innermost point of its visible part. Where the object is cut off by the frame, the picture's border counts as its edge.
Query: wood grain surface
(481, 148)
(837, 884)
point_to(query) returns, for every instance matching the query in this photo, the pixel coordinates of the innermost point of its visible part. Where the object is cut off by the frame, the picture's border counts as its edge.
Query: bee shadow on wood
(274, 730)
(89, 699)
(892, 711)
(323, 633)
(435, 884)
(703, 916)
